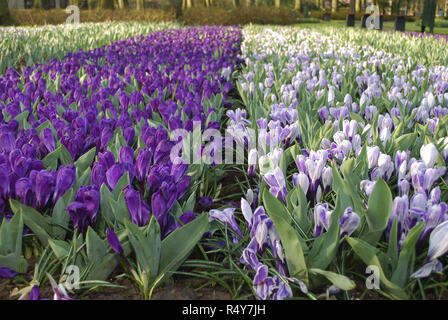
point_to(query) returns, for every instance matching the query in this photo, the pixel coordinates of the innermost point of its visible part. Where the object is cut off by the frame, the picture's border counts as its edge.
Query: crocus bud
(65, 179)
(302, 180)
(45, 183)
(47, 138)
(114, 242)
(429, 153)
(327, 178)
(137, 209)
(126, 154)
(349, 222)
(252, 161)
(98, 176)
(373, 154)
(403, 186)
(113, 175)
(89, 196)
(143, 164)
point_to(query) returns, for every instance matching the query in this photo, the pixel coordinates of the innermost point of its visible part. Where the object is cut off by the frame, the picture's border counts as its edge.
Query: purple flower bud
(65, 179)
(7, 273)
(113, 174)
(4, 181)
(79, 214)
(47, 138)
(126, 154)
(98, 176)
(129, 134)
(107, 159)
(114, 242)
(143, 164)
(45, 184)
(227, 217)
(89, 196)
(138, 209)
(25, 191)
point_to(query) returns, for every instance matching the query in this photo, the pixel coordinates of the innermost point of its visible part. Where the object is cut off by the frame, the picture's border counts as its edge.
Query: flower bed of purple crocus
(97, 124)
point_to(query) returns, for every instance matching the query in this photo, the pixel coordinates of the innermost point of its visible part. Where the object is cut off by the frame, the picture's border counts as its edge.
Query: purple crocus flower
(7, 273)
(138, 209)
(114, 242)
(98, 176)
(227, 217)
(47, 138)
(349, 222)
(89, 196)
(65, 179)
(25, 191)
(276, 180)
(143, 164)
(4, 181)
(45, 184)
(79, 213)
(113, 174)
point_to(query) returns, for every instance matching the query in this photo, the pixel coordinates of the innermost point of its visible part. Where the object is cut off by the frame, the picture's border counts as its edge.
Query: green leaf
(368, 255)
(144, 248)
(290, 239)
(122, 182)
(178, 244)
(378, 211)
(326, 245)
(85, 161)
(60, 248)
(338, 280)
(11, 235)
(60, 218)
(38, 223)
(96, 247)
(14, 261)
(401, 273)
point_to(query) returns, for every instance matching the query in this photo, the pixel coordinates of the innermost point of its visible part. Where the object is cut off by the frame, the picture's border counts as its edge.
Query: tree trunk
(42, 4)
(5, 16)
(189, 4)
(277, 4)
(334, 5)
(106, 4)
(298, 4)
(140, 5)
(236, 3)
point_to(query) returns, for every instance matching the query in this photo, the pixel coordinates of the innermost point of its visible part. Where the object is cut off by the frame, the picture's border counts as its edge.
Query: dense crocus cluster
(288, 88)
(123, 100)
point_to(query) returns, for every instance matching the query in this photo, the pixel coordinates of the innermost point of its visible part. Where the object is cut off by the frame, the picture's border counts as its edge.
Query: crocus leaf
(378, 211)
(368, 255)
(122, 182)
(401, 273)
(60, 219)
(146, 260)
(338, 280)
(11, 235)
(60, 248)
(290, 239)
(326, 245)
(38, 223)
(85, 161)
(95, 246)
(392, 250)
(178, 244)
(14, 261)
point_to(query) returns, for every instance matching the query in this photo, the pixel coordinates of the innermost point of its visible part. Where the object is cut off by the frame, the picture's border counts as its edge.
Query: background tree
(5, 16)
(106, 4)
